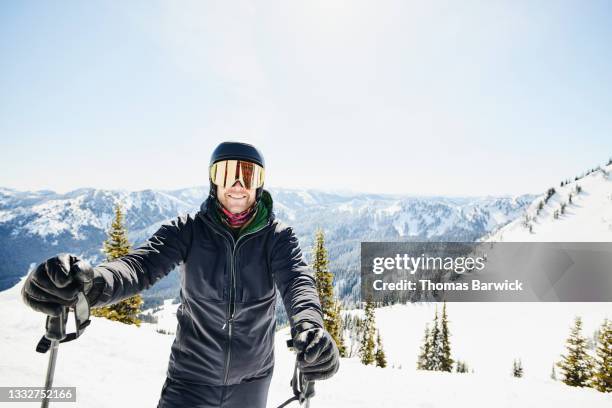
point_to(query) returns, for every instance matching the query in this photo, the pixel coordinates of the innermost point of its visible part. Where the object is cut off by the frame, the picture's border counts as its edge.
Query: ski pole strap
(289, 401)
(56, 325)
(45, 344)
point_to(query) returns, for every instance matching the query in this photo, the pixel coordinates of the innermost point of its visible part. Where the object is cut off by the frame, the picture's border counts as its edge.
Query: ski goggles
(225, 173)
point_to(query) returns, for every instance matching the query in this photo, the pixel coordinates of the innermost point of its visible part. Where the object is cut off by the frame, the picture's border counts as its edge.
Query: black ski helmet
(236, 151)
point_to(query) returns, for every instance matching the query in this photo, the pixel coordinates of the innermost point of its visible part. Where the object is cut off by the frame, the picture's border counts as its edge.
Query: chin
(236, 205)
(236, 208)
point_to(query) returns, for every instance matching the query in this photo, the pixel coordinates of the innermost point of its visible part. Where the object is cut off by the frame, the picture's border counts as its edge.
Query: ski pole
(56, 334)
(303, 390)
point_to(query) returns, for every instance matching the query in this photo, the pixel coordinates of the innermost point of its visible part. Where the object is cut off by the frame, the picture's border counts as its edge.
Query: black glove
(318, 355)
(56, 283)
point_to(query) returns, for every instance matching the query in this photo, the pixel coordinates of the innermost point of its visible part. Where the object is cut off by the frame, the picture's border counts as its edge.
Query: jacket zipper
(232, 293)
(230, 321)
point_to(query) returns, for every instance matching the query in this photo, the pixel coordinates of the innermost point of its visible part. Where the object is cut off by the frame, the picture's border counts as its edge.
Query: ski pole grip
(56, 326)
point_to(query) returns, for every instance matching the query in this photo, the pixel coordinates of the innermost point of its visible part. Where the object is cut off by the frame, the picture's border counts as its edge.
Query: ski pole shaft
(56, 332)
(50, 371)
(308, 391)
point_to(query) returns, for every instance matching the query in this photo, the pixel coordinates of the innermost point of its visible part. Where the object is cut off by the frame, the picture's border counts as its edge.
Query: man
(232, 253)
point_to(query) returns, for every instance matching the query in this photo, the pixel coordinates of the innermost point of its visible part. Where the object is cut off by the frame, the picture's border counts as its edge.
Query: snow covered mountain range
(35, 225)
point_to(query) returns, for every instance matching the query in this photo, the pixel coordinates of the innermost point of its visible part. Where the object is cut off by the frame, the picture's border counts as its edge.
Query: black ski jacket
(226, 319)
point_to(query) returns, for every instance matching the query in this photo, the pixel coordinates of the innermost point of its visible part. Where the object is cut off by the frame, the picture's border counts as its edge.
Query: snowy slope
(114, 365)
(101, 364)
(587, 219)
(489, 336)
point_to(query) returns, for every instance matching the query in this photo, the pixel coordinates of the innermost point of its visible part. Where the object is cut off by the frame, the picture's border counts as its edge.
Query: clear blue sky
(427, 97)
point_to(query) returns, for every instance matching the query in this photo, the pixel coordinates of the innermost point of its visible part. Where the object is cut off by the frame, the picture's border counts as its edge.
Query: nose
(238, 185)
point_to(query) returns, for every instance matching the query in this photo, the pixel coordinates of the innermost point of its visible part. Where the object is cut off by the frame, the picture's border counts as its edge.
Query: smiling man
(233, 255)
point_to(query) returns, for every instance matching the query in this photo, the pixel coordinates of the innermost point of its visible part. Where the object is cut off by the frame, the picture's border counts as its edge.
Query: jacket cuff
(99, 284)
(308, 314)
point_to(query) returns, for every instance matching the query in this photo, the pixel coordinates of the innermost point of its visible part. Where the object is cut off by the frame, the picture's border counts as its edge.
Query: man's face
(236, 199)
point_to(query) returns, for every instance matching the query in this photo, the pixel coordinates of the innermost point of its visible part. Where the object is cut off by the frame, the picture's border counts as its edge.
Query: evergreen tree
(116, 246)
(461, 367)
(553, 373)
(517, 368)
(423, 360)
(353, 325)
(577, 365)
(338, 322)
(366, 348)
(434, 358)
(381, 358)
(332, 315)
(602, 377)
(435, 354)
(446, 362)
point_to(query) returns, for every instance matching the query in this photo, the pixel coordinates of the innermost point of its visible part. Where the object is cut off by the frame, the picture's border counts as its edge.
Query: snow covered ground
(114, 365)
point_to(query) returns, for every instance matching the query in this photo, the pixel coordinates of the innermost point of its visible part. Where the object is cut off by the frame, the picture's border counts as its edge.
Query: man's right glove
(56, 283)
(318, 355)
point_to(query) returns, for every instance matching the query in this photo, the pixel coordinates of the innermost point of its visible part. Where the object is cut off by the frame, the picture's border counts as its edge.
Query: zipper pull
(230, 321)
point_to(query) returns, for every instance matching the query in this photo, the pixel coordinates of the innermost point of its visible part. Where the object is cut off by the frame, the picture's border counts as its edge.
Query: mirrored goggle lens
(226, 173)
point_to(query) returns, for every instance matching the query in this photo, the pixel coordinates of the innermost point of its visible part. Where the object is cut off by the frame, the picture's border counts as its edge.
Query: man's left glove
(318, 355)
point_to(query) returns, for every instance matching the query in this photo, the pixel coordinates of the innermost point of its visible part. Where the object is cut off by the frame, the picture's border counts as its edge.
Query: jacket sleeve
(295, 281)
(144, 266)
